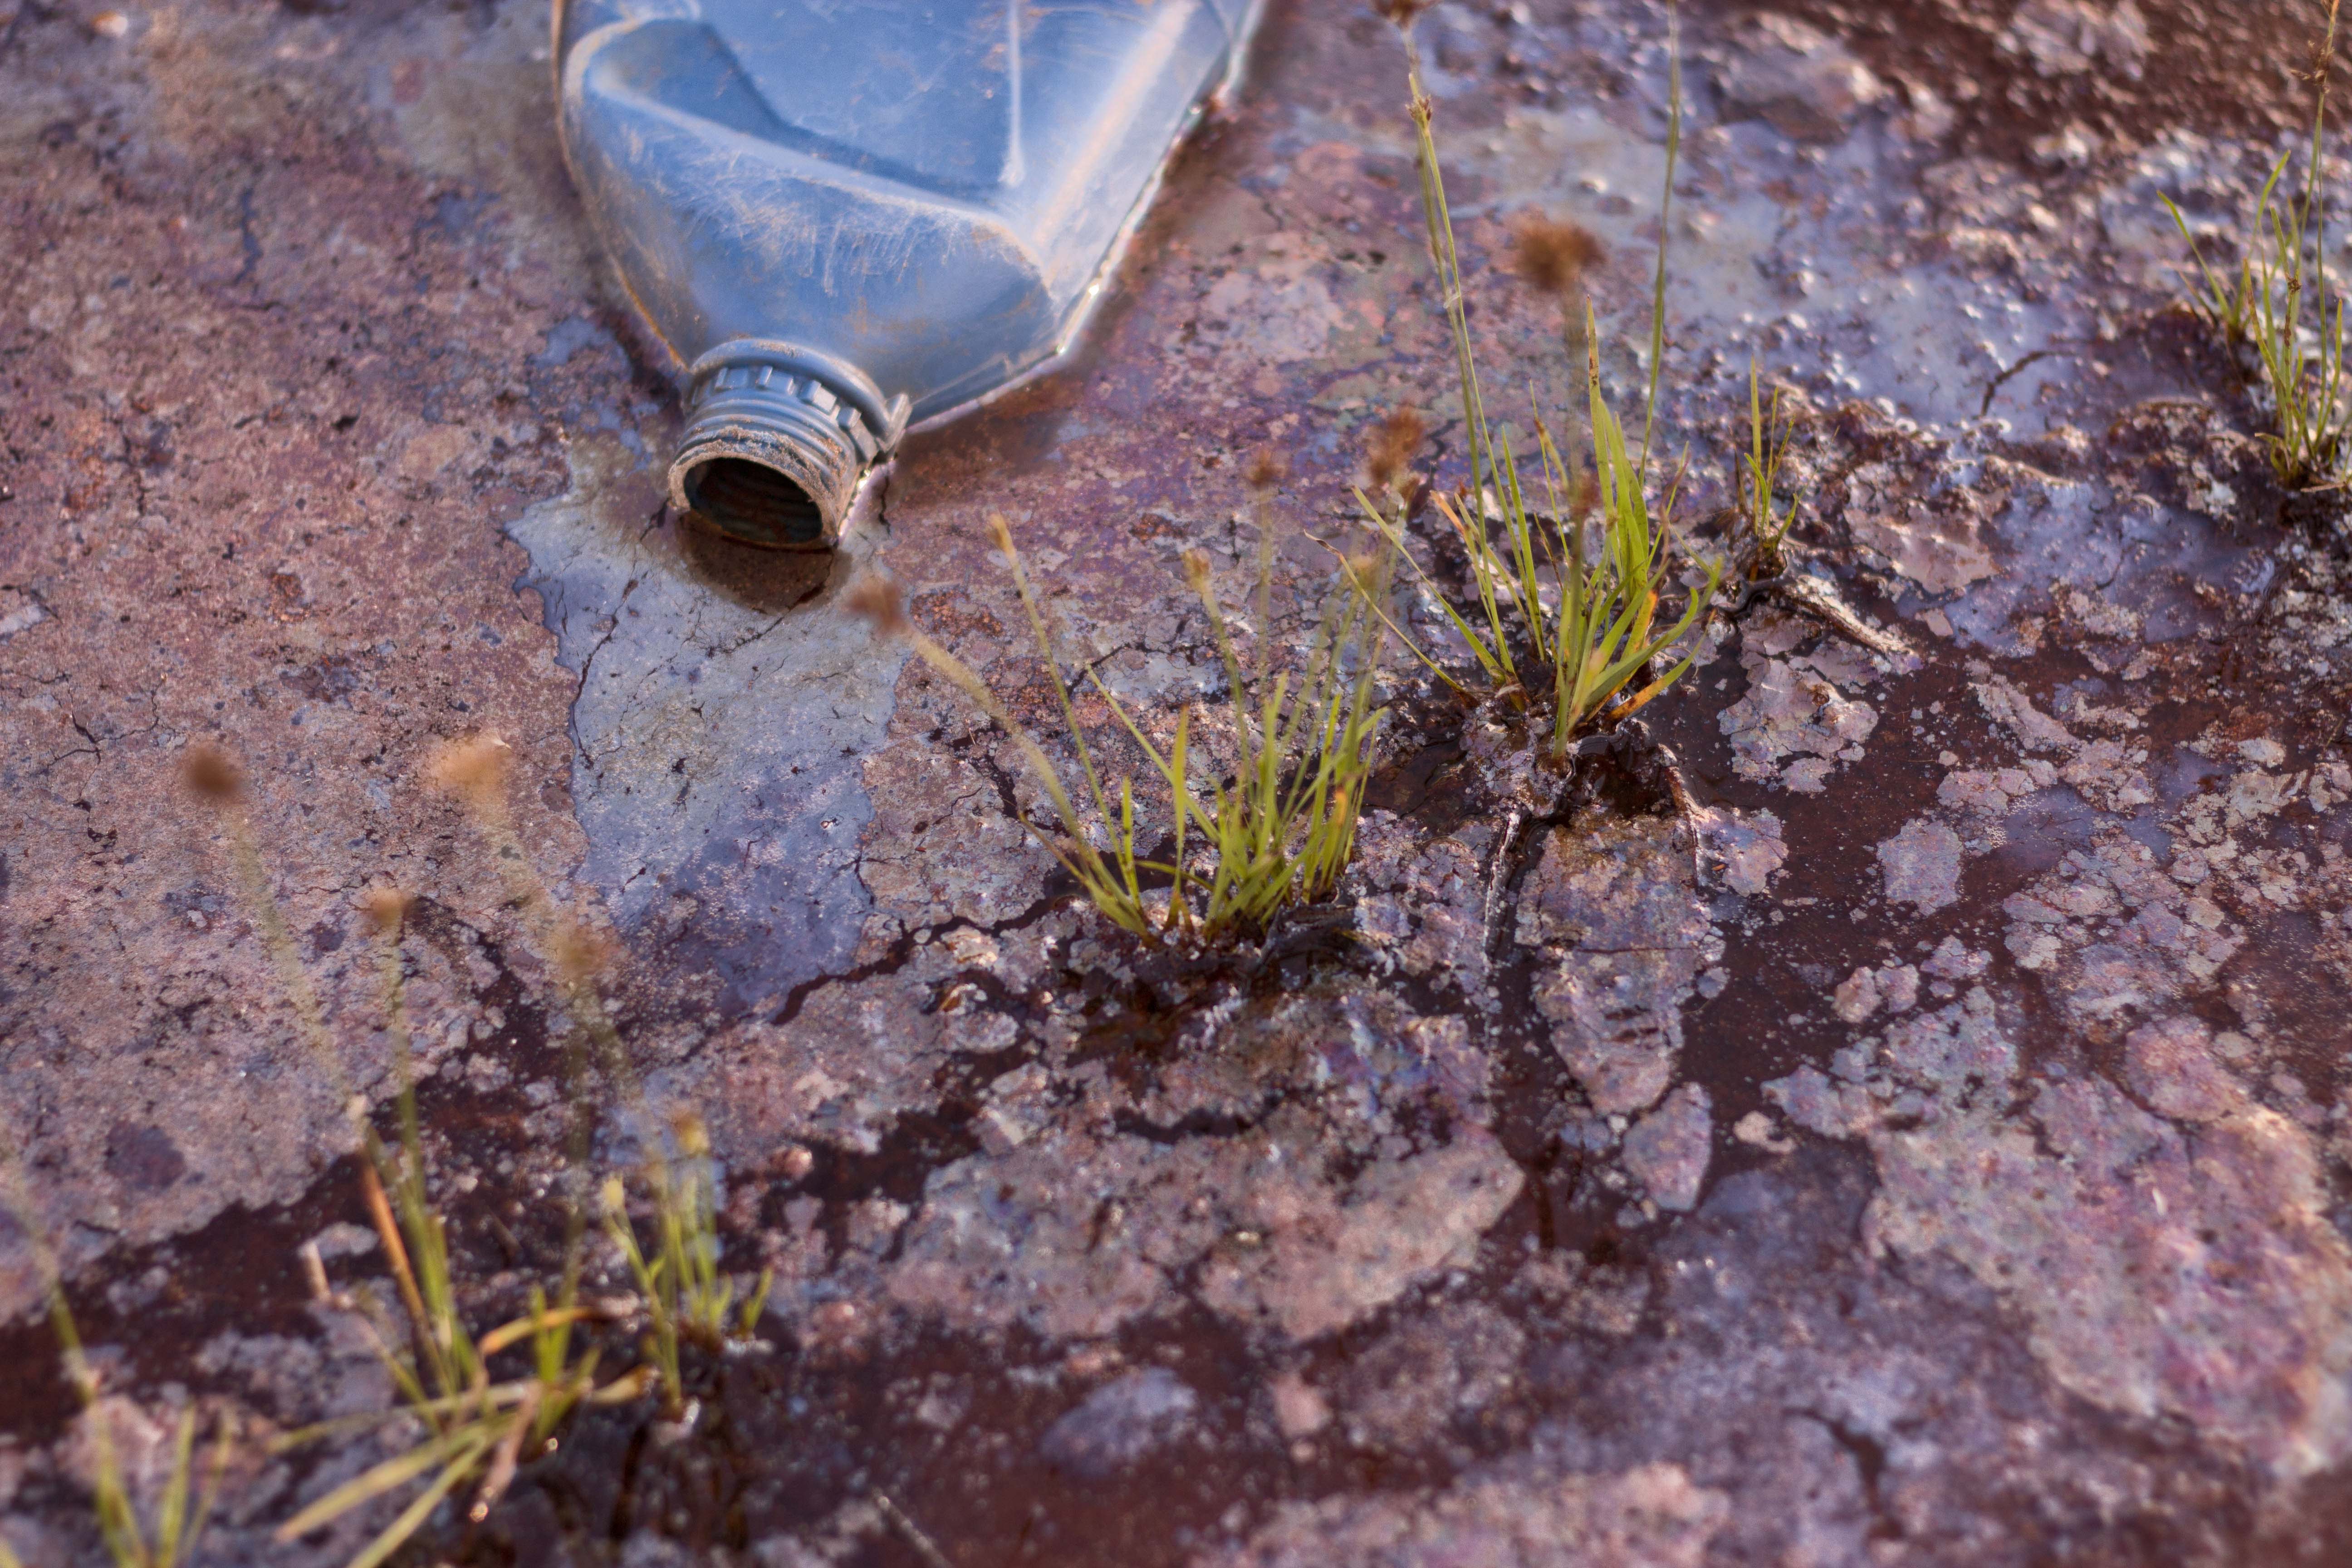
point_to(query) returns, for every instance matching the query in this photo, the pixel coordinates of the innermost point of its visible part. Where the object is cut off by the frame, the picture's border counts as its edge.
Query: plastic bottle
(844, 216)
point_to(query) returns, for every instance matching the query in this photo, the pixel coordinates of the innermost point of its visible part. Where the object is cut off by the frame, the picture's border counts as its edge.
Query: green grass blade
(1665, 216)
(171, 1512)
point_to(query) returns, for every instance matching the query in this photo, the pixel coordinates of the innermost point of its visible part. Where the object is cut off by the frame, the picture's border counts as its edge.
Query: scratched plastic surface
(843, 218)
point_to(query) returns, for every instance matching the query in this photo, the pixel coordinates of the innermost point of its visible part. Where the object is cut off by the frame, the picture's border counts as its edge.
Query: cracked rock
(1624, 936)
(1668, 1150)
(1922, 865)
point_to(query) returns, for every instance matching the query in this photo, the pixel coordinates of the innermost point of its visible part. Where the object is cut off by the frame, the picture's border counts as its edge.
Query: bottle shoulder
(1017, 110)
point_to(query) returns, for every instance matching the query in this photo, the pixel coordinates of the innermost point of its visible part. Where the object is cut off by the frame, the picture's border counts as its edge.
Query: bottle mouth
(747, 500)
(777, 438)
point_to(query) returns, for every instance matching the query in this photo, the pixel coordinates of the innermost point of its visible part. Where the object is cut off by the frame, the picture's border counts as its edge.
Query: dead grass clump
(1395, 442)
(1553, 257)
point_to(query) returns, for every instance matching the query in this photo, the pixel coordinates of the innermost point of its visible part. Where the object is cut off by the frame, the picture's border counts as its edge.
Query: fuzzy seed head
(1391, 448)
(1554, 257)
(1266, 470)
(693, 1138)
(1196, 569)
(615, 1196)
(1401, 14)
(473, 769)
(1000, 532)
(210, 775)
(877, 598)
(385, 907)
(579, 953)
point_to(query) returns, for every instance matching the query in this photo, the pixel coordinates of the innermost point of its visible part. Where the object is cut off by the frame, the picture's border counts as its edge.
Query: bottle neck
(777, 440)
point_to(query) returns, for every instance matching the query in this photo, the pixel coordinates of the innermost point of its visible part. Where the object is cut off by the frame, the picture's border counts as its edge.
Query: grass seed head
(385, 907)
(1196, 570)
(1265, 468)
(1394, 442)
(580, 952)
(210, 775)
(877, 598)
(1554, 257)
(1401, 14)
(473, 769)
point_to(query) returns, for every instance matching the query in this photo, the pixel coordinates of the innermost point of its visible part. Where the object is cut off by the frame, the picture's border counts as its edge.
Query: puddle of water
(1826, 291)
(726, 703)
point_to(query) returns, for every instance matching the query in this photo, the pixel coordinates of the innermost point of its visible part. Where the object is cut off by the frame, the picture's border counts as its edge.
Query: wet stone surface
(1928, 1143)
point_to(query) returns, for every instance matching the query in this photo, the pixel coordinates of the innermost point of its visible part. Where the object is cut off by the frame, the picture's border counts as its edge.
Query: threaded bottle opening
(752, 501)
(775, 442)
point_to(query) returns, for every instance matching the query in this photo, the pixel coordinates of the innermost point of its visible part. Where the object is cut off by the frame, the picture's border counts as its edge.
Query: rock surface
(1913, 1130)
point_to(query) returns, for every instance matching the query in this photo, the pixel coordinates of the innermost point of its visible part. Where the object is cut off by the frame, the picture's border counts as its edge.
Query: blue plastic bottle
(845, 216)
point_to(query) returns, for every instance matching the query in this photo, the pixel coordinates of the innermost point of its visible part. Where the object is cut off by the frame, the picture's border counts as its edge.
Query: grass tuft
(167, 1538)
(1285, 828)
(2278, 304)
(476, 1426)
(1567, 599)
(1765, 553)
(476, 1431)
(686, 1296)
(1276, 832)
